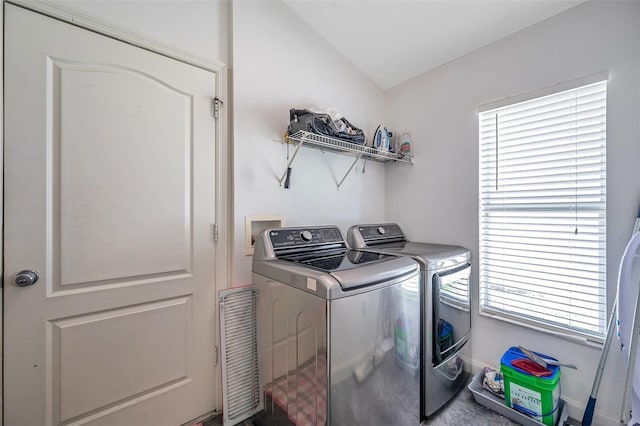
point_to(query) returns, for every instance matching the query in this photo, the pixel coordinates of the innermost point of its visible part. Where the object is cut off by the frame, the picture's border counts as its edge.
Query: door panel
(109, 195)
(108, 133)
(84, 341)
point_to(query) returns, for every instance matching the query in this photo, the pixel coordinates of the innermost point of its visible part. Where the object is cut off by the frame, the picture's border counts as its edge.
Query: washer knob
(381, 230)
(306, 236)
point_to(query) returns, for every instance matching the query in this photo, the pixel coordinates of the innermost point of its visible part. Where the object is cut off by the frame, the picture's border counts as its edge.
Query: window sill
(592, 342)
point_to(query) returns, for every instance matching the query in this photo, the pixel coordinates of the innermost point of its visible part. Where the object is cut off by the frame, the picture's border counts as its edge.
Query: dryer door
(451, 311)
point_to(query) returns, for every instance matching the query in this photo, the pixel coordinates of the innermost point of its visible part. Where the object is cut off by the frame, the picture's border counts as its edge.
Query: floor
(462, 410)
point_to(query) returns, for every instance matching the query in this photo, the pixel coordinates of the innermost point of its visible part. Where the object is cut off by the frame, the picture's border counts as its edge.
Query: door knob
(26, 278)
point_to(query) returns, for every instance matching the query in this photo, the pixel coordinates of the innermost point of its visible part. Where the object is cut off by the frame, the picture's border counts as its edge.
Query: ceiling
(392, 41)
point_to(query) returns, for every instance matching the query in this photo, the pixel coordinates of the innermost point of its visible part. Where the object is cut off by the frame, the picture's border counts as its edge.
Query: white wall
(437, 199)
(199, 27)
(279, 63)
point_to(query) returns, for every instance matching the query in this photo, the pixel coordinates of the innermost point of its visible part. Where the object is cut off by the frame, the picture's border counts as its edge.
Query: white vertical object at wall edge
(241, 377)
(628, 321)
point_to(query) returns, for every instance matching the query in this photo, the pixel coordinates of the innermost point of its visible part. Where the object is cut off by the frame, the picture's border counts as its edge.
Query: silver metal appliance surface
(338, 330)
(446, 317)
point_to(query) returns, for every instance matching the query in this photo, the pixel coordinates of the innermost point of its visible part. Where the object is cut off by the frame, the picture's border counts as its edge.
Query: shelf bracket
(350, 168)
(293, 157)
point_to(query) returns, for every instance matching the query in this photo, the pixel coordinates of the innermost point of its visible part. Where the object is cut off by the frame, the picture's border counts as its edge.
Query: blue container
(445, 335)
(514, 353)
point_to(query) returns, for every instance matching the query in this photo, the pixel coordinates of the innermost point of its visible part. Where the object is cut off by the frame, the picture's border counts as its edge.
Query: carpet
(464, 410)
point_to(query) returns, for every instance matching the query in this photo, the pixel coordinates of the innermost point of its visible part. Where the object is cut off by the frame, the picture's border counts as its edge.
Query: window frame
(533, 321)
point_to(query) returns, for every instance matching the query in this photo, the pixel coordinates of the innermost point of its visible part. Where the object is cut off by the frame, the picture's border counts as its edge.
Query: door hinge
(216, 355)
(216, 103)
(215, 233)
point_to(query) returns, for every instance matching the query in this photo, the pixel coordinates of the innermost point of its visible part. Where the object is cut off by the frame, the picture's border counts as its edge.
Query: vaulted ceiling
(392, 41)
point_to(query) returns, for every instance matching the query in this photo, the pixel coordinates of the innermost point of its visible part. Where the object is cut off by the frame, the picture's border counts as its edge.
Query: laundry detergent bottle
(403, 145)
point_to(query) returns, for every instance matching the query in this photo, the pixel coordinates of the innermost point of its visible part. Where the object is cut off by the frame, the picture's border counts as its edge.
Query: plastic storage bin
(536, 396)
(494, 403)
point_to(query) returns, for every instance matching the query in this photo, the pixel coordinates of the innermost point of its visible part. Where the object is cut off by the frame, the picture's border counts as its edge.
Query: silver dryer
(445, 306)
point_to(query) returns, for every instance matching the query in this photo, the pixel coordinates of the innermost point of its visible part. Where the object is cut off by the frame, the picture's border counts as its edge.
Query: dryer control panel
(294, 237)
(382, 231)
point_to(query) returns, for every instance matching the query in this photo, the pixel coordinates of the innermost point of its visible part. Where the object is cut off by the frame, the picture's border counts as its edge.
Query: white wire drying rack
(325, 143)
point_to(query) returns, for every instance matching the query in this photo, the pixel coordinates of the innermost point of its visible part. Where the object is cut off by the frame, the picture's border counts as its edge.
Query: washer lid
(355, 268)
(385, 271)
(336, 260)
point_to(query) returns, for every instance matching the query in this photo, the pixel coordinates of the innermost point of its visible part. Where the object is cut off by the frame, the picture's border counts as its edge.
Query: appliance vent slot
(241, 385)
(384, 240)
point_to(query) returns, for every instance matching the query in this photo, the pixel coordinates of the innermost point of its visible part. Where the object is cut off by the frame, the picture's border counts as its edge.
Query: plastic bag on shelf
(323, 124)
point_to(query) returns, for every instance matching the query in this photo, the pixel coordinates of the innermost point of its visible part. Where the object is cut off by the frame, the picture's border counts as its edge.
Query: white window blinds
(543, 210)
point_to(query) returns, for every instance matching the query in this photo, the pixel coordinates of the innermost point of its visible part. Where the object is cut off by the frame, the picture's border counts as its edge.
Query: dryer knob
(381, 230)
(306, 236)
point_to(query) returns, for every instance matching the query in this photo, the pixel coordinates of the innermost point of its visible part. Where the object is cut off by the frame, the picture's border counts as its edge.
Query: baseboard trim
(203, 417)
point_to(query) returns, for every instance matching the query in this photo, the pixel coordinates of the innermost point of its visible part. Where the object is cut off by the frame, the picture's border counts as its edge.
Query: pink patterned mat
(303, 395)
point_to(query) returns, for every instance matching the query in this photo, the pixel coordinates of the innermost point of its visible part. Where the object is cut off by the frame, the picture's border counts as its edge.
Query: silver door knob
(26, 278)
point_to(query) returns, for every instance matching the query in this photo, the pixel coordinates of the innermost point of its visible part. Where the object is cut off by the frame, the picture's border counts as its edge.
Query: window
(543, 211)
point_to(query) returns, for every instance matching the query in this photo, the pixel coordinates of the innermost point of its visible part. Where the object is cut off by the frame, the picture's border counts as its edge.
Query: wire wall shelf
(325, 143)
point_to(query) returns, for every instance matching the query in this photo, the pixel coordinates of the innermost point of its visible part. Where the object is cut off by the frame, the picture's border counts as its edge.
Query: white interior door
(109, 189)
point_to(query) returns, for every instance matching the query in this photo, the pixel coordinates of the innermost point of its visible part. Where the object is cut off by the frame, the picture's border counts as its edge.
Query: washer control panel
(292, 237)
(384, 231)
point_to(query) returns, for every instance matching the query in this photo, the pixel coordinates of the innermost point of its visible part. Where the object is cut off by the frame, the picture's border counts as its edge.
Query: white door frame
(223, 194)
